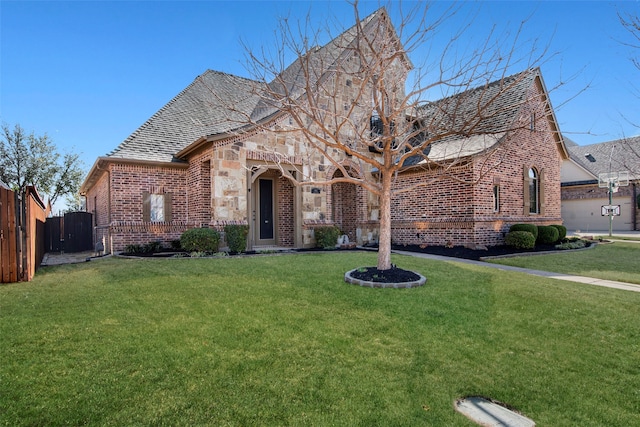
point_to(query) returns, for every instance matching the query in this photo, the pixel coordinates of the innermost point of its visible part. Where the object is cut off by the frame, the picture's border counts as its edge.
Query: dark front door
(266, 209)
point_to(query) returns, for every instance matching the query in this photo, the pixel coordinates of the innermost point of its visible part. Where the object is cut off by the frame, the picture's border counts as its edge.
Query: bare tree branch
(348, 101)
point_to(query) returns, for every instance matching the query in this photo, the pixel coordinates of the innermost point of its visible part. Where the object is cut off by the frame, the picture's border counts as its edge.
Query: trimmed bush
(236, 237)
(531, 228)
(547, 235)
(200, 240)
(152, 247)
(572, 244)
(520, 239)
(562, 231)
(326, 237)
(132, 249)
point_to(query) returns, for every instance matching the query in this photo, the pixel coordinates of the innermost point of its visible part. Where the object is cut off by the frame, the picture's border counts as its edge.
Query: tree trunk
(384, 239)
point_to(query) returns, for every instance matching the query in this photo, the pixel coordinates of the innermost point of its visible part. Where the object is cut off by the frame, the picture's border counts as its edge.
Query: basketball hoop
(613, 181)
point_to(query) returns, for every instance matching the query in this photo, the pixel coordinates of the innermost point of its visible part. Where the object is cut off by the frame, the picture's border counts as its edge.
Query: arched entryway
(272, 209)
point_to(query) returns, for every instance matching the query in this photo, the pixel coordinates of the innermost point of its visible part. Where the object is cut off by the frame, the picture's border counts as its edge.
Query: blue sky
(89, 73)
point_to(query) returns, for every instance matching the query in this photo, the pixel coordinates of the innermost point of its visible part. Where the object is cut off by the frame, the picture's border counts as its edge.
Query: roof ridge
(622, 140)
(534, 71)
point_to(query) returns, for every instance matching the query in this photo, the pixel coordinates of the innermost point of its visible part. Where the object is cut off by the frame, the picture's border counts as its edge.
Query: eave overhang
(102, 163)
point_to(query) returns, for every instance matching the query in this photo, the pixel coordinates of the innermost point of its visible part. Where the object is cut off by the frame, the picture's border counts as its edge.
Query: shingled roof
(474, 120)
(624, 154)
(200, 109)
(217, 103)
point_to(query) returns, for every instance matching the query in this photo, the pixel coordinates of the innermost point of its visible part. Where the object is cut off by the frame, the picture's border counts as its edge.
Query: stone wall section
(228, 183)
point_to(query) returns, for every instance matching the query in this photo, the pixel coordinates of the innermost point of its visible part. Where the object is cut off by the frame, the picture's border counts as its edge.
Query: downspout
(634, 203)
(109, 209)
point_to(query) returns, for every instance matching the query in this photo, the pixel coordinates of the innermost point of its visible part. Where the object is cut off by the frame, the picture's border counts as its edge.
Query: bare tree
(631, 145)
(632, 24)
(387, 117)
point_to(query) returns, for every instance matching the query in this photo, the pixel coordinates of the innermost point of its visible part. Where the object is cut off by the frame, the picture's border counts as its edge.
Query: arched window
(534, 191)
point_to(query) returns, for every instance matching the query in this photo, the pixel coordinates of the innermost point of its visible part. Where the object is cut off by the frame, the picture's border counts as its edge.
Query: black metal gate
(54, 234)
(73, 233)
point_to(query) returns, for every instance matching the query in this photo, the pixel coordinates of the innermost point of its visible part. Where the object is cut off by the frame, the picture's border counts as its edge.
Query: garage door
(585, 215)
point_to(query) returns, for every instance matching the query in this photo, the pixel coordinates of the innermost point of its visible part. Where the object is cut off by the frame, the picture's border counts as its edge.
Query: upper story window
(532, 121)
(376, 125)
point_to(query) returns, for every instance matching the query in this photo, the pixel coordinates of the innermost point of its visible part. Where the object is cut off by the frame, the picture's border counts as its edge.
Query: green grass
(282, 340)
(610, 261)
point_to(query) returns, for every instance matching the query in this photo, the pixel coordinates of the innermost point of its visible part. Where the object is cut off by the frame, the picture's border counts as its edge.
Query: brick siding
(285, 212)
(458, 209)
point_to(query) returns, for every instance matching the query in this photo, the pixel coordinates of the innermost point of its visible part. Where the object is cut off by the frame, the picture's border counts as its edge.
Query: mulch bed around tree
(393, 275)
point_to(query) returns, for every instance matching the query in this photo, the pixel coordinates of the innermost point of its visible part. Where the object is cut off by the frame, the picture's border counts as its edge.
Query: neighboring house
(189, 165)
(583, 197)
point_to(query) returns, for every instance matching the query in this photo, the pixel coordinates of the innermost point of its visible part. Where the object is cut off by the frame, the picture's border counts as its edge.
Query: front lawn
(618, 261)
(282, 340)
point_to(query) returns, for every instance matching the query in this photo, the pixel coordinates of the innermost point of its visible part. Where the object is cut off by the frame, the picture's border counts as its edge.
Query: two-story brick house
(197, 162)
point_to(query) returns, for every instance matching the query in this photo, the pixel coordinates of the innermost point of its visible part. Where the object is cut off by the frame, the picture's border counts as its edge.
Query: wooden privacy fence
(22, 220)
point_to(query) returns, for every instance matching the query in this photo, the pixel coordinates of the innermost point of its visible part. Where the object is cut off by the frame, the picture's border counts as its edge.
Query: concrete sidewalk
(605, 235)
(550, 275)
(59, 258)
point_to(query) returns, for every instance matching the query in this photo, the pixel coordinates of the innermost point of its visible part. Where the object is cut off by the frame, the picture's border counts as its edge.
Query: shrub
(531, 228)
(547, 235)
(562, 231)
(132, 249)
(152, 247)
(200, 240)
(520, 239)
(236, 236)
(327, 237)
(573, 244)
(175, 244)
